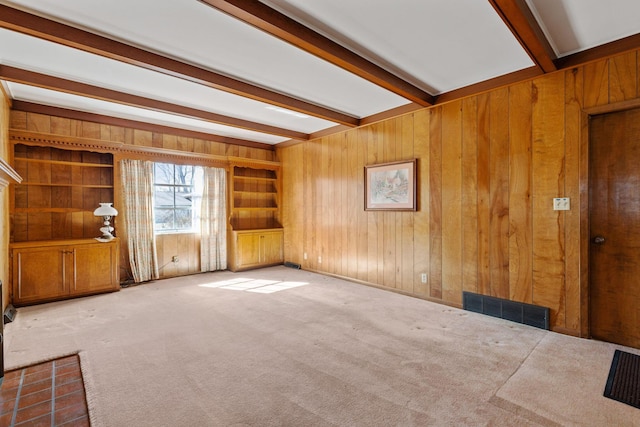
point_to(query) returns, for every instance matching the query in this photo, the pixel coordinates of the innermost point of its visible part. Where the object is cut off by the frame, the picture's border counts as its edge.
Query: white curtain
(137, 189)
(213, 223)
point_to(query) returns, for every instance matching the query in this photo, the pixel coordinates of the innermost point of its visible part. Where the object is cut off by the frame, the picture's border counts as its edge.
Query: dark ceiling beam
(26, 23)
(520, 20)
(31, 78)
(281, 26)
(31, 107)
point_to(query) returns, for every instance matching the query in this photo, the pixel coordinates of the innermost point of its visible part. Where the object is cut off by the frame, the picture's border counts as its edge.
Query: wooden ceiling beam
(31, 107)
(520, 20)
(53, 31)
(272, 22)
(32, 78)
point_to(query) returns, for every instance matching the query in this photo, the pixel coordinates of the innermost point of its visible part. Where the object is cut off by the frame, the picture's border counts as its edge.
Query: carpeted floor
(284, 347)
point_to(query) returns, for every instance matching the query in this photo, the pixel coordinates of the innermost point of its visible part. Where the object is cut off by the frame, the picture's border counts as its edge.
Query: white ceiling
(436, 45)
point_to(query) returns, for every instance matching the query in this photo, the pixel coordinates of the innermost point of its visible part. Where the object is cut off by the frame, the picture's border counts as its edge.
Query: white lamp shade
(105, 209)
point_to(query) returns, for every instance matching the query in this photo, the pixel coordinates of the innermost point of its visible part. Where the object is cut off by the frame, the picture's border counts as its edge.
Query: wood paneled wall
(34, 122)
(4, 199)
(185, 246)
(488, 169)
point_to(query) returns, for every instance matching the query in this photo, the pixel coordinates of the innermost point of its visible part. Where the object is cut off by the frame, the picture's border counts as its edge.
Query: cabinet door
(271, 248)
(248, 246)
(39, 275)
(95, 268)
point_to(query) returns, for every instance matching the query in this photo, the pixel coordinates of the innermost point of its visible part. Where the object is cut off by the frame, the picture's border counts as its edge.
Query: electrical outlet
(319, 260)
(175, 259)
(304, 256)
(423, 277)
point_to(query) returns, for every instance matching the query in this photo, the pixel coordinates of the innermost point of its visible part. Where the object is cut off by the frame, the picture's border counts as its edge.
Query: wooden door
(614, 221)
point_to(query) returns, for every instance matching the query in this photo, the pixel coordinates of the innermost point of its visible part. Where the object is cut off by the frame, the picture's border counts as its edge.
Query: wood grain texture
(421, 247)
(451, 202)
(574, 167)
(520, 189)
(469, 202)
(622, 77)
(435, 203)
(6, 204)
(548, 182)
(484, 198)
(488, 166)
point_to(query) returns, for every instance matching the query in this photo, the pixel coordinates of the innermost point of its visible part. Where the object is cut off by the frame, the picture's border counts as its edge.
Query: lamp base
(105, 238)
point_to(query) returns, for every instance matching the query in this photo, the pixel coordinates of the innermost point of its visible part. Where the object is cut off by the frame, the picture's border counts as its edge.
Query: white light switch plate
(561, 204)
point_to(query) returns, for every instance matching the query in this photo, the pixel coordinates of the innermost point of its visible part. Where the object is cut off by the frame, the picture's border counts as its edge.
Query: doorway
(614, 223)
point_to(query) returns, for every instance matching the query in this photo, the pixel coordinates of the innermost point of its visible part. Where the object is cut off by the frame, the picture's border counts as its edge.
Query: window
(175, 196)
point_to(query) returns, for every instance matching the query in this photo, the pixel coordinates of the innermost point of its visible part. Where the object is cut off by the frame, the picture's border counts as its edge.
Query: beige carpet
(283, 347)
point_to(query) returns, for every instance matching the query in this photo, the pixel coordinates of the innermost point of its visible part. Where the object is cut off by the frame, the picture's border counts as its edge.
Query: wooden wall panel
(622, 77)
(484, 198)
(520, 190)
(407, 279)
(489, 167)
(374, 268)
(548, 182)
(421, 256)
(469, 202)
(451, 202)
(5, 202)
(435, 203)
(387, 245)
(363, 217)
(596, 83)
(499, 192)
(573, 168)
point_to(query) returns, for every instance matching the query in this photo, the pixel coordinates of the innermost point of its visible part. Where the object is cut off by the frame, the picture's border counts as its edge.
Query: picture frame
(390, 186)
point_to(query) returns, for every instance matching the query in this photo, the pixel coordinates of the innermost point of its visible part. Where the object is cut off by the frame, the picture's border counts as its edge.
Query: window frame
(195, 194)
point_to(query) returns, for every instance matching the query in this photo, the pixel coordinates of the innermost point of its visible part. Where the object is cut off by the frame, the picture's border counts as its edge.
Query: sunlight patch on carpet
(254, 285)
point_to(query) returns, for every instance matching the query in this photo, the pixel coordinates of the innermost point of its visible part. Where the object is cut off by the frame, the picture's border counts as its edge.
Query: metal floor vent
(528, 314)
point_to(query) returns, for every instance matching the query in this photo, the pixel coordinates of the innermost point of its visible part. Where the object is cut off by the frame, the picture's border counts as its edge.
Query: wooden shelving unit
(60, 191)
(53, 251)
(255, 196)
(255, 231)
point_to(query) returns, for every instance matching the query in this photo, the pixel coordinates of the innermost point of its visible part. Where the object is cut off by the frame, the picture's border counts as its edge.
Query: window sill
(170, 232)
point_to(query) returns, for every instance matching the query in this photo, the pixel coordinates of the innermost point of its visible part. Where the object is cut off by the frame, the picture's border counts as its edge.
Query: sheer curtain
(213, 221)
(137, 189)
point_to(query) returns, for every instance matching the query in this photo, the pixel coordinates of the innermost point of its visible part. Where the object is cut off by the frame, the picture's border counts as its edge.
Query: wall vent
(292, 265)
(528, 314)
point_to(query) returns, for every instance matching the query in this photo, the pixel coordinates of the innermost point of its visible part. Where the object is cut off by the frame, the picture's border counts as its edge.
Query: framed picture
(390, 186)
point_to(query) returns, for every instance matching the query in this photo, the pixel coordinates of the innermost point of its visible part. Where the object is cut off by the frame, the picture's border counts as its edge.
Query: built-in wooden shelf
(67, 163)
(48, 184)
(60, 190)
(255, 233)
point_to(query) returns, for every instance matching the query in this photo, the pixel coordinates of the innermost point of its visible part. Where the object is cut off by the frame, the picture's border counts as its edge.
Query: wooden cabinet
(255, 248)
(53, 270)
